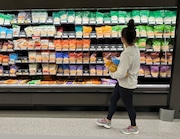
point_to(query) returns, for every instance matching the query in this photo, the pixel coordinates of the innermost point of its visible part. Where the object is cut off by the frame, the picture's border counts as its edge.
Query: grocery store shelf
(93, 47)
(78, 86)
(69, 36)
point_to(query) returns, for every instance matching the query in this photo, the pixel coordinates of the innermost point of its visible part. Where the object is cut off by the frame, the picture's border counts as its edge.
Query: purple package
(1, 69)
(73, 67)
(163, 68)
(99, 67)
(80, 67)
(92, 67)
(108, 81)
(154, 68)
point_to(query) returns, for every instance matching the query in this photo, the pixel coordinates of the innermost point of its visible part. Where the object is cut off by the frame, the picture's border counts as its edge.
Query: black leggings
(127, 98)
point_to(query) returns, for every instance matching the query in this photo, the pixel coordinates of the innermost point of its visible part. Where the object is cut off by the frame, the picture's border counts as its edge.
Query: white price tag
(64, 21)
(59, 74)
(148, 76)
(149, 50)
(107, 22)
(92, 22)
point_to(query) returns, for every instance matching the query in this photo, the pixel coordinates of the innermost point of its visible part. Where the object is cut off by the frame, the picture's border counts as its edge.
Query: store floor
(71, 124)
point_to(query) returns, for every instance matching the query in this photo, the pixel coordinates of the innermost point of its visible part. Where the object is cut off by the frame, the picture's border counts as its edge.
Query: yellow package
(99, 31)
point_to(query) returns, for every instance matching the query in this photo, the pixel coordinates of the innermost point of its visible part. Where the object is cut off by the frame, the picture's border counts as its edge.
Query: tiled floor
(82, 124)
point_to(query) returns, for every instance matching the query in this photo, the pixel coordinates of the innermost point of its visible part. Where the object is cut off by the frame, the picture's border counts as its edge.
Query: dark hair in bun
(129, 33)
(131, 25)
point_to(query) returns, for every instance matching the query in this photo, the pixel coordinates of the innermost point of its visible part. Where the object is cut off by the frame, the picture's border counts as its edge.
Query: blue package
(65, 55)
(115, 60)
(13, 56)
(65, 67)
(9, 32)
(78, 29)
(59, 55)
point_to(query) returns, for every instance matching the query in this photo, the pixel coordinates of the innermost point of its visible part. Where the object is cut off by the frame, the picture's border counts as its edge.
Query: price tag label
(71, 35)
(106, 47)
(12, 75)
(50, 21)
(92, 22)
(59, 74)
(18, 73)
(113, 47)
(149, 50)
(65, 35)
(99, 48)
(115, 22)
(64, 21)
(142, 49)
(107, 22)
(148, 76)
(39, 73)
(120, 49)
(93, 35)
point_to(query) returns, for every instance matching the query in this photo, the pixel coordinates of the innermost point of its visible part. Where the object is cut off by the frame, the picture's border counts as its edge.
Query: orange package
(72, 44)
(65, 44)
(86, 44)
(1, 58)
(5, 59)
(79, 44)
(57, 44)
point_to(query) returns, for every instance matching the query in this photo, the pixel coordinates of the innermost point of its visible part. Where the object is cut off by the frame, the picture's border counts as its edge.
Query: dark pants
(127, 98)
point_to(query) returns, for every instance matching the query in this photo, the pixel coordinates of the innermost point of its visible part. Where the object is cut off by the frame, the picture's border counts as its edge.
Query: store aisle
(24, 123)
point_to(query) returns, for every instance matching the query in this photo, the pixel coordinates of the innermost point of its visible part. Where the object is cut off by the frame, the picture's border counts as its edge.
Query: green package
(56, 17)
(144, 14)
(168, 16)
(78, 17)
(107, 17)
(141, 30)
(128, 16)
(167, 30)
(71, 16)
(136, 16)
(85, 16)
(99, 17)
(173, 18)
(142, 43)
(1, 19)
(34, 82)
(115, 30)
(157, 44)
(122, 17)
(151, 18)
(159, 16)
(150, 31)
(92, 17)
(173, 31)
(165, 45)
(114, 15)
(158, 30)
(63, 16)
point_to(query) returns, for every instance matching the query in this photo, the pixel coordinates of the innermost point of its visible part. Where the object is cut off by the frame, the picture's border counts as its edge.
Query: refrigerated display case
(55, 56)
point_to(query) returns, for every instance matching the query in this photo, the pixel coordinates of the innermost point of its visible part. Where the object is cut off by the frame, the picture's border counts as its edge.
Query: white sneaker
(130, 130)
(104, 123)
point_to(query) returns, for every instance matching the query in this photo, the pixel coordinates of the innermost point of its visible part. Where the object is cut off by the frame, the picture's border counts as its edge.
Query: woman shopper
(126, 75)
